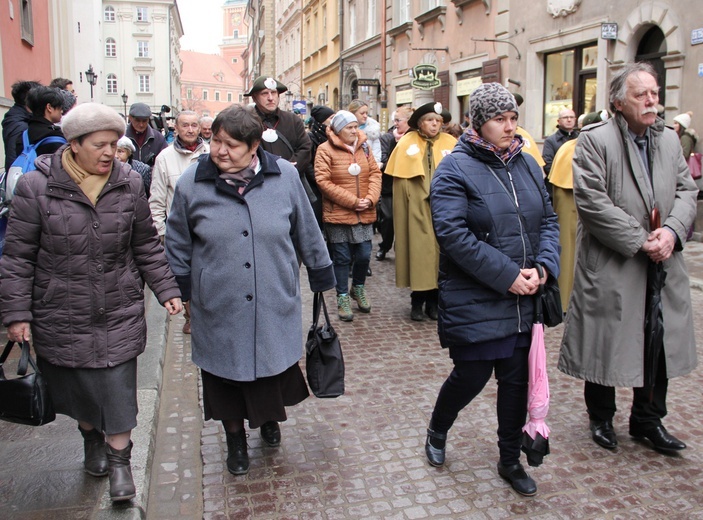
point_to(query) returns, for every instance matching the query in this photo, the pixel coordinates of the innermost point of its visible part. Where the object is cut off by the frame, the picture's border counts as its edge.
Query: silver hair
(205, 119)
(618, 85)
(185, 113)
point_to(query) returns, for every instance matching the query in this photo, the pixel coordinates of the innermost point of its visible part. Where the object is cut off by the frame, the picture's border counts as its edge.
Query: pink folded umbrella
(535, 437)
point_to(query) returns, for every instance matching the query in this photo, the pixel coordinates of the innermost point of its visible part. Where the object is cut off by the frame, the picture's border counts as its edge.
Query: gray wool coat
(236, 259)
(604, 334)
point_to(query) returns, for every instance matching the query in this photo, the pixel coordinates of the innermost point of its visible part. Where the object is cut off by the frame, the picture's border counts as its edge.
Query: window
(144, 83)
(569, 82)
(109, 14)
(189, 93)
(234, 60)
(142, 49)
(111, 84)
(241, 97)
(371, 19)
(110, 48)
(352, 24)
(235, 33)
(428, 5)
(229, 97)
(402, 12)
(142, 14)
(26, 21)
(204, 95)
(217, 95)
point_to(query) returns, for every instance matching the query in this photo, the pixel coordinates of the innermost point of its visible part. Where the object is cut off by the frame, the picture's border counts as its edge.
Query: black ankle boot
(120, 471)
(95, 460)
(435, 447)
(237, 456)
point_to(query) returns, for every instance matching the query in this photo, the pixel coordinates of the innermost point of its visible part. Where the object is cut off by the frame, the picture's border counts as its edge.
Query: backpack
(23, 164)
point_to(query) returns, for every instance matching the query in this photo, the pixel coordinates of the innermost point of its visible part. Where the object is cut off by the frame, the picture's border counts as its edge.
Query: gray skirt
(103, 397)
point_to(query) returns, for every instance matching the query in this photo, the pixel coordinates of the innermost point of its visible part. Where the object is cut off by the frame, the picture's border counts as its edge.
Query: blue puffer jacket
(484, 242)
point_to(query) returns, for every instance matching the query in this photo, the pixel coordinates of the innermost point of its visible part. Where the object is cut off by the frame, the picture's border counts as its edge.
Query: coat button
(96, 225)
(249, 297)
(100, 268)
(110, 364)
(245, 233)
(247, 265)
(101, 311)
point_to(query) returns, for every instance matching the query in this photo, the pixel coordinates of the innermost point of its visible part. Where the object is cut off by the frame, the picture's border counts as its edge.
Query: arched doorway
(651, 49)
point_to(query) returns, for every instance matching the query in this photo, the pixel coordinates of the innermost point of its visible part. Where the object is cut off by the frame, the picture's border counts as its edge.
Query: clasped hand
(527, 282)
(363, 205)
(660, 244)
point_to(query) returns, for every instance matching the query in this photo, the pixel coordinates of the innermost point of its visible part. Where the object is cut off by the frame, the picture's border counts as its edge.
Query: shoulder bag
(324, 363)
(550, 300)
(24, 399)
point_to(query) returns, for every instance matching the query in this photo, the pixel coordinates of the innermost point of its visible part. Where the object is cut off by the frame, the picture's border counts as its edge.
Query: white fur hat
(87, 118)
(684, 119)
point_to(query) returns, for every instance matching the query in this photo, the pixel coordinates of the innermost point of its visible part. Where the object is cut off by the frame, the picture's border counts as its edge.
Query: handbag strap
(25, 358)
(318, 303)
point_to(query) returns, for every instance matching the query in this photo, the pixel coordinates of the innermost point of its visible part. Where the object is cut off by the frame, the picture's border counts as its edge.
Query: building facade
(321, 53)
(208, 83)
(571, 48)
(140, 54)
(288, 46)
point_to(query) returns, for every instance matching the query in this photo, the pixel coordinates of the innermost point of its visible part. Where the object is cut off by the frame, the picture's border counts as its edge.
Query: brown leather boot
(120, 472)
(95, 461)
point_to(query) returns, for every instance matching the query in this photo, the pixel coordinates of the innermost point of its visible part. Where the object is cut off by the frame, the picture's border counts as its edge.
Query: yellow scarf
(89, 183)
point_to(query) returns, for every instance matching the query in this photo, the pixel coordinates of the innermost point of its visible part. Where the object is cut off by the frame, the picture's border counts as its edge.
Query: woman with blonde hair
(369, 126)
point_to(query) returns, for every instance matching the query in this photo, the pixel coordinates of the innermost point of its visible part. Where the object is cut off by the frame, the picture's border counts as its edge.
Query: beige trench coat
(604, 335)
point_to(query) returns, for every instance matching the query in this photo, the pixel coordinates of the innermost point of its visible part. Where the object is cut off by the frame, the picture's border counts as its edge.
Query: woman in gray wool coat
(80, 244)
(240, 220)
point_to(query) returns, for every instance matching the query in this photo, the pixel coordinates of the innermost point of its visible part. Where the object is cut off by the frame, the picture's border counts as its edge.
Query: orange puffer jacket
(342, 191)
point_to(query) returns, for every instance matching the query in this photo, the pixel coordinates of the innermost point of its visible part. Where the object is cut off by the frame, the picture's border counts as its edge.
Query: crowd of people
(219, 221)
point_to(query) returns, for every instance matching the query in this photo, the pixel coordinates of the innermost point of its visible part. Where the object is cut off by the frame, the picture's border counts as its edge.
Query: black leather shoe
(660, 438)
(381, 255)
(435, 456)
(518, 479)
(271, 433)
(416, 313)
(237, 455)
(431, 310)
(603, 434)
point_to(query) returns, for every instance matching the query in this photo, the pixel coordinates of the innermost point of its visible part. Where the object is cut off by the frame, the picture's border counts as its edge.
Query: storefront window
(570, 82)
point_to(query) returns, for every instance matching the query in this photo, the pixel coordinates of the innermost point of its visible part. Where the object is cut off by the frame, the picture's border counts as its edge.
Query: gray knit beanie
(342, 119)
(87, 118)
(488, 101)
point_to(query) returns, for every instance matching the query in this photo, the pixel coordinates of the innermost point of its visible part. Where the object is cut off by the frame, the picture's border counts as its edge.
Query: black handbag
(550, 298)
(24, 399)
(324, 362)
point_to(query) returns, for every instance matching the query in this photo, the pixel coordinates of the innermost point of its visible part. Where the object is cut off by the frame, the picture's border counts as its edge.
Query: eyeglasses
(399, 120)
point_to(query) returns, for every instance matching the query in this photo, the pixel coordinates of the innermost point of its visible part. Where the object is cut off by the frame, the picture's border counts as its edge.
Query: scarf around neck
(89, 183)
(243, 177)
(504, 155)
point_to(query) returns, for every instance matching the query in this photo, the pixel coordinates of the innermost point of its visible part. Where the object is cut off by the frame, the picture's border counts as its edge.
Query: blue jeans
(342, 254)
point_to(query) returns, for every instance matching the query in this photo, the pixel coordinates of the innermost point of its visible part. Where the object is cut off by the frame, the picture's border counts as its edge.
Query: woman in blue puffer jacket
(494, 223)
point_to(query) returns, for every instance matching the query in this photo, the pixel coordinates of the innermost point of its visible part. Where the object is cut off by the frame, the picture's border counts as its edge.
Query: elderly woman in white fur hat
(80, 244)
(688, 136)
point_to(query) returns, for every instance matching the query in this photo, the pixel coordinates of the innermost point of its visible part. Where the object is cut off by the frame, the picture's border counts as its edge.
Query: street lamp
(92, 78)
(125, 98)
(289, 99)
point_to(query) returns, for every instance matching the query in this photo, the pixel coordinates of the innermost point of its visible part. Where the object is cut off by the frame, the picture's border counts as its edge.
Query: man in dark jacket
(147, 141)
(285, 134)
(46, 105)
(16, 119)
(566, 131)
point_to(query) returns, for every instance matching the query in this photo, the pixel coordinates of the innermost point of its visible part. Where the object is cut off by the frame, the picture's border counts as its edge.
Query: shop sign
(425, 77)
(368, 82)
(464, 87)
(696, 36)
(301, 106)
(404, 97)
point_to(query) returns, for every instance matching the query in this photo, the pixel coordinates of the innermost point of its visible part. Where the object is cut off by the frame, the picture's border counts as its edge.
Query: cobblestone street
(362, 456)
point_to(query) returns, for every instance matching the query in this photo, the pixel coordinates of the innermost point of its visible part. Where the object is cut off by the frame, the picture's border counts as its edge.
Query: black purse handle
(25, 358)
(317, 304)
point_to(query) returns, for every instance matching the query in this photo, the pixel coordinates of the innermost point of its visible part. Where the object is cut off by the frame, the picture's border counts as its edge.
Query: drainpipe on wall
(341, 58)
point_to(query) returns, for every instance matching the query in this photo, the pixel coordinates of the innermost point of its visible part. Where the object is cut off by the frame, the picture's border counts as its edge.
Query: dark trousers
(468, 379)
(385, 223)
(342, 254)
(645, 413)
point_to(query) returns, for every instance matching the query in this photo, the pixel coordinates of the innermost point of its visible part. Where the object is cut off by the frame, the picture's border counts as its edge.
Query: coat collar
(206, 171)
